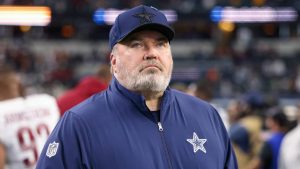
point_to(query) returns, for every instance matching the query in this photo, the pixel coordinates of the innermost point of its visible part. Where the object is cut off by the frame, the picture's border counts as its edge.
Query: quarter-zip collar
(139, 100)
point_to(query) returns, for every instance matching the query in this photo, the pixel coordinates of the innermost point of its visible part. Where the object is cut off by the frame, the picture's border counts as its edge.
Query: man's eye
(162, 43)
(136, 44)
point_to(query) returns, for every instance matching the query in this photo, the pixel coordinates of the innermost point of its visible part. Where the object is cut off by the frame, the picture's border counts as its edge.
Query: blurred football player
(25, 122)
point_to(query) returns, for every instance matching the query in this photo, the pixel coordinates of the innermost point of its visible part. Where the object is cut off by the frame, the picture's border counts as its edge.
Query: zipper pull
(160, 128)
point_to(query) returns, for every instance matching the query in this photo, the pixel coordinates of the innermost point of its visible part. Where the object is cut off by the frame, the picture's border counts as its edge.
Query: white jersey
(25, 124)
(289, 157)
(223, 114)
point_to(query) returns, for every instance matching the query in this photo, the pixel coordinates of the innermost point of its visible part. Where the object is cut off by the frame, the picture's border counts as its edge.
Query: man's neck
(153, 100)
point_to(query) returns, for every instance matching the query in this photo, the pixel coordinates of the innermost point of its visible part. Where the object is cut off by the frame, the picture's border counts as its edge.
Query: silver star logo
(198, 144)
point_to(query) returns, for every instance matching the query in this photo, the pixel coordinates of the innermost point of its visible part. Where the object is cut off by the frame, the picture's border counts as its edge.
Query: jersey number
(27, 140)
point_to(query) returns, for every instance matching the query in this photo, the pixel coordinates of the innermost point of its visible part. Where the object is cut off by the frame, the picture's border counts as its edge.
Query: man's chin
(152, 82)
(151, 70)
(150, 76)
(151, 73)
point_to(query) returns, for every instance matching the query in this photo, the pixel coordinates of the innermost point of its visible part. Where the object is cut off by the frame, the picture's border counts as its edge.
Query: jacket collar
(138, 100)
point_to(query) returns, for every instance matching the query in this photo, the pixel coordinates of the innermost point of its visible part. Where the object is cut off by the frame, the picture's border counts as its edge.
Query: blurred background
(239, 46)
(236, 50)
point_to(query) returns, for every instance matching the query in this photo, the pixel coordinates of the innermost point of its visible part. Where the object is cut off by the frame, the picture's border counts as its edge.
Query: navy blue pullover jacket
(115, 130)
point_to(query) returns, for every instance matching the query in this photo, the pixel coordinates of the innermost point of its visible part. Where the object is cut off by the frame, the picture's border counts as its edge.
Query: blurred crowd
(231, 74)
(253, 83)
(265, 72)
(50, 73)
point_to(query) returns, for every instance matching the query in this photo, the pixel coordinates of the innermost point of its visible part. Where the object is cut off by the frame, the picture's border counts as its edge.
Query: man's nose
(150, 53)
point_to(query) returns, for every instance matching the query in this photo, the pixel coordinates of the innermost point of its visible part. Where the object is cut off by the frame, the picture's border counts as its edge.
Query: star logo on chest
(198, 144)
(144, 17)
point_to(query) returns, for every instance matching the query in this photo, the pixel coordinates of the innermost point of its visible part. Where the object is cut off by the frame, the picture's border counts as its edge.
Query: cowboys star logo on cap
(138, 18)
(144, 17)
(52, 149)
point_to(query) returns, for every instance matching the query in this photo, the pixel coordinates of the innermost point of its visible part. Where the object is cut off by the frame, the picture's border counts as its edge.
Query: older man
(139, 122)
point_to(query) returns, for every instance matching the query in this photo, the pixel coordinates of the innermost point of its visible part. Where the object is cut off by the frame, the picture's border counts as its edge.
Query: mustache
(150, 63)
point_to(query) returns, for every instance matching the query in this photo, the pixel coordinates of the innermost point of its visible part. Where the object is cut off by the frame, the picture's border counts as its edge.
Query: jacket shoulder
(190, 100)
(94, 104)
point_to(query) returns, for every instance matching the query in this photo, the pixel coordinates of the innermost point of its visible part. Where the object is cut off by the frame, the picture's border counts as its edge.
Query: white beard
(147, 80)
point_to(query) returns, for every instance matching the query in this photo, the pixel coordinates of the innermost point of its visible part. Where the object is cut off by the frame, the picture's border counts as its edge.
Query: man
(139, 122)
(204, 91)
(277, 123)
(289, 156)
(25, 122)
(85, 88)
(244, 131)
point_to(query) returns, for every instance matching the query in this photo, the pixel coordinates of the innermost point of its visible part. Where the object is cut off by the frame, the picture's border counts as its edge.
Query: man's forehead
(143, 34)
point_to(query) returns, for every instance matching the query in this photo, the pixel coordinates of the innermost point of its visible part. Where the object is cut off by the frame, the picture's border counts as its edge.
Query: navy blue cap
(139, 18)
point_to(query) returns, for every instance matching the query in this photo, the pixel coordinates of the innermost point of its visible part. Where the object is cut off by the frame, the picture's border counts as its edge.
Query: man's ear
(113, 61)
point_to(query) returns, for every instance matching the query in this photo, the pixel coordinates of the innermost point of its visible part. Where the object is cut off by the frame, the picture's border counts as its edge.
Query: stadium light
(107, 16)
(25, 15)
(253, 15)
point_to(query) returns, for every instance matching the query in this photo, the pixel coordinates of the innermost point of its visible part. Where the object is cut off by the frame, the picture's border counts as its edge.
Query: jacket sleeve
(64, 148)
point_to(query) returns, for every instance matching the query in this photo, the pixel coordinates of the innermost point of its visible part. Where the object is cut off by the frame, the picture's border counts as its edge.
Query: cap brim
(165, 30)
